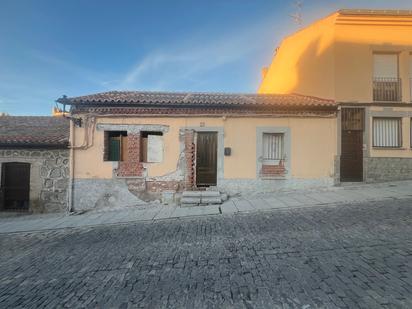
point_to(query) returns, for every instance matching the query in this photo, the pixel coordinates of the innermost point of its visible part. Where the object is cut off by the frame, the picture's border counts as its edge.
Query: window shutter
(385, 66)
(154, 148)
(114, 150)
(106, 146)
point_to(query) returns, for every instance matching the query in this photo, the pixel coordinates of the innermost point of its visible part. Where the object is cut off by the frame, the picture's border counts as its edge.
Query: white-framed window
(387, 132)
(273, 148)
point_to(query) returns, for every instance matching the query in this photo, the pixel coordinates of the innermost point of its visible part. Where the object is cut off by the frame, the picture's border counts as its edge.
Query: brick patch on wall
(189, 159)
(132, 167)
(160, 186)
(273, 170)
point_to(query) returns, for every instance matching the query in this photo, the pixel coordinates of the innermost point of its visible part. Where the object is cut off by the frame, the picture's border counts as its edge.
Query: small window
(115, 148)
(273, 149)
(387, 132)
(151, 148)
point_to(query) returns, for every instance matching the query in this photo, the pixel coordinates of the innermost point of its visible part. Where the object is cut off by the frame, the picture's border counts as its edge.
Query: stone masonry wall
(49, 176)
(387, 169)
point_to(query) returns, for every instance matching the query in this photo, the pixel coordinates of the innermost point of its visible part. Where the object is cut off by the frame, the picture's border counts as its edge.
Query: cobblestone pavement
(348, 256)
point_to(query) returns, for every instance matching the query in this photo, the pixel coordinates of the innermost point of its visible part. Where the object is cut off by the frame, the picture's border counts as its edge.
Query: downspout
(71, 185)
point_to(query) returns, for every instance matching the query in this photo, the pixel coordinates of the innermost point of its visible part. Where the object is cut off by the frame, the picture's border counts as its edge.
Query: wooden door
(352, 156)
(206, 159)
(351, 159)
(16, 185)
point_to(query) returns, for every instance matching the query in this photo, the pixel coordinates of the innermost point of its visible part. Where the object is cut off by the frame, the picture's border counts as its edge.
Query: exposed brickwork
(133, 166)
(189, 159)
(273, 170)
(160, 186)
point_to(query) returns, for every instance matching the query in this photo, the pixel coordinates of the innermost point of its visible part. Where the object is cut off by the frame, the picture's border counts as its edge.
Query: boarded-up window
(151, 147)
(273, 147)
(387, 132)
(385, 66)
(115, 146)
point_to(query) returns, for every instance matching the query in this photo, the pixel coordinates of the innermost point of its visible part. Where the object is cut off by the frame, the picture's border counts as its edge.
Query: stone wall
(49, 176)
(387, 169)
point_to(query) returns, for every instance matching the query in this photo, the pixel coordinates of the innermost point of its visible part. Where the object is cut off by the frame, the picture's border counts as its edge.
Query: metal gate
(16, 185)
(351, 159)
(206, 159)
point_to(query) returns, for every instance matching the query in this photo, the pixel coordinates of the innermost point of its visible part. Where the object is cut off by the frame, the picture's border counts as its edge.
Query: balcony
(386, 89)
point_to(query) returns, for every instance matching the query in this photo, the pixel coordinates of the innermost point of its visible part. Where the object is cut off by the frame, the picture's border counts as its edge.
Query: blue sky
(76, 47)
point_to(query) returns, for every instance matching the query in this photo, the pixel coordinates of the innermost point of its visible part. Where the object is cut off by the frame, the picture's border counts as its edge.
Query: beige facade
(309, 146)
(306, 161)
(359, 58)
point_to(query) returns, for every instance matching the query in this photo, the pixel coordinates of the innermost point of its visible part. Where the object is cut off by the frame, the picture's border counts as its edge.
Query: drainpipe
(71, 185)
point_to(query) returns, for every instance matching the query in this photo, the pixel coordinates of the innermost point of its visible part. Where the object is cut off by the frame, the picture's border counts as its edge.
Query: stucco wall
(333, 58)
(313, 146)
(304, 63)
(49, 176)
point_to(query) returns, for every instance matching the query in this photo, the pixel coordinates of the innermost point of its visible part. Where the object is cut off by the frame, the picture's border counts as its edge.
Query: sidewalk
(357, 193)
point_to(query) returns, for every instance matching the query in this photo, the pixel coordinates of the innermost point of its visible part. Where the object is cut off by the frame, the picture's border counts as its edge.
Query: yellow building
(362, 60)
(132, 146)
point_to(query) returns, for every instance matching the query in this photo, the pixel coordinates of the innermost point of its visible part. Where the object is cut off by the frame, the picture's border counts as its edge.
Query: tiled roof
(375, 12)
(34, 131)
(197, 100)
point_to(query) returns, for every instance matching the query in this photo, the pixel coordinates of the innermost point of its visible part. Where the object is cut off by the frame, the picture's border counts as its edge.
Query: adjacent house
(131, 146)
(34, 163)
(361, 59)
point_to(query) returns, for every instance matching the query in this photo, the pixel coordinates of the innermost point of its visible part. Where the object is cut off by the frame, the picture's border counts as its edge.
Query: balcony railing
(387, 89)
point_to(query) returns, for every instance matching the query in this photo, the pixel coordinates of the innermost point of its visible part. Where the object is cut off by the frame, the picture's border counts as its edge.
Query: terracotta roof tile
(194, 100)
(34, 130)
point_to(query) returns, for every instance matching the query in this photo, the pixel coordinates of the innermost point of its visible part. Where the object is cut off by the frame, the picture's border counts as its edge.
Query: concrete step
(201, 198)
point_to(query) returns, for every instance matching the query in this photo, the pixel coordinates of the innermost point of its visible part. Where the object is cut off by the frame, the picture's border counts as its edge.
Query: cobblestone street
(348, 256)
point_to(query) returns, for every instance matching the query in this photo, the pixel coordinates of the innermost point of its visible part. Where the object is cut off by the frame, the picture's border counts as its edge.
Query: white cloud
(187, 61)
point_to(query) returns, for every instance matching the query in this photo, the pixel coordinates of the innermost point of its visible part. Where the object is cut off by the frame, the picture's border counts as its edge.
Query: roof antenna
(297, 16)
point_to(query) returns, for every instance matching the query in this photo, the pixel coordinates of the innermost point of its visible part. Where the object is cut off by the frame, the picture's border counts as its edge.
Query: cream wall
(304, 63)
(354, 48)
(333, 58)
(313, 146)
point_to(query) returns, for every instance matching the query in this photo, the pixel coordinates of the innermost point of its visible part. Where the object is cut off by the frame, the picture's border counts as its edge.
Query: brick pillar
(133, 166)
(189, 159)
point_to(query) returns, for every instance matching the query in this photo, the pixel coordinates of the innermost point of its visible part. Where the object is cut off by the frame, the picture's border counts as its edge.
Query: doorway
(206, 159)
(351, 159)
(15, 182)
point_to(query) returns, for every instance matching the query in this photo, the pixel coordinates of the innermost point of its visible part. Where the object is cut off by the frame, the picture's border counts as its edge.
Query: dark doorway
(206, 159)
(351, 159)
(16, 185)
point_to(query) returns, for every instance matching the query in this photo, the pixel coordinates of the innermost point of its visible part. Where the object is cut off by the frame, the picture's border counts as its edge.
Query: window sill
(272, 177)
(388, 148)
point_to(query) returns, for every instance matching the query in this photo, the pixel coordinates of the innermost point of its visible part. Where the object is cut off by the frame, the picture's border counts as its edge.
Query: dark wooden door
(206, 159)
(16, 185)
(351, 160)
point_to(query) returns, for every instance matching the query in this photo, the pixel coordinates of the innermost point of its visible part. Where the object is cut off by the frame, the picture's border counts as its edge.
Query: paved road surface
(348, 256)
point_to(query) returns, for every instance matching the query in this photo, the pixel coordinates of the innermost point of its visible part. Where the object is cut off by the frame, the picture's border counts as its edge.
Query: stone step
(190, 200)
(200, 198)
(200, 193)
(191, 194)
